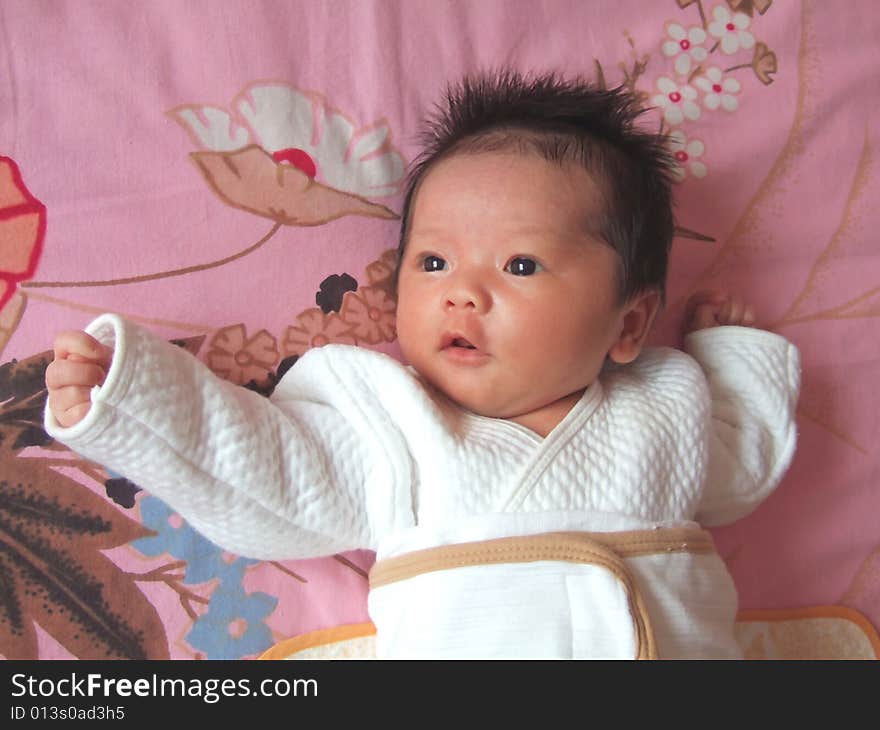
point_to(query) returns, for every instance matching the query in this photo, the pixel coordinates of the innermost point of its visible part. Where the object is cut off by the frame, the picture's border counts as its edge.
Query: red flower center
(319, 340)
(685, 44)
(716, 88)
(300, 159)
(681, 156)
(675, 97)
(731, 26)
(375, 314)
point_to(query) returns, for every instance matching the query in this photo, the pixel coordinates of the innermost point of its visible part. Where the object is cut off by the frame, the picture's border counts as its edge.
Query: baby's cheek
(412, 337)
(403, 324)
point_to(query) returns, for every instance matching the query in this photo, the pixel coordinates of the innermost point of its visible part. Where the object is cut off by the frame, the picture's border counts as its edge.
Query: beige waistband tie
(605, 549)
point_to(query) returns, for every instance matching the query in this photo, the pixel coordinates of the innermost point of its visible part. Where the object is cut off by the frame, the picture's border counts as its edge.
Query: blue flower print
(204, 559)
(233, 626)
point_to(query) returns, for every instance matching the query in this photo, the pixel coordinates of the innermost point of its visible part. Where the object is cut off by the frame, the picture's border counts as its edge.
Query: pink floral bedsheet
(229, 174)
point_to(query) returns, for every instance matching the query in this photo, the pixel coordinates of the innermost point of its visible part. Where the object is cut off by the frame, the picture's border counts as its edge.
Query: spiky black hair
(565, 121)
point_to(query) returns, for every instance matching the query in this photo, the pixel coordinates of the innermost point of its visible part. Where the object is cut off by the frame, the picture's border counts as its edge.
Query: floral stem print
(194, 327)
(287, 571)
(163, 574)
(161, 274)
(348, 564)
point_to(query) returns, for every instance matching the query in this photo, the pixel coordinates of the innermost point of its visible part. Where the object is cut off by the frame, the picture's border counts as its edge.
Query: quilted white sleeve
(754, 380)
(258, 478)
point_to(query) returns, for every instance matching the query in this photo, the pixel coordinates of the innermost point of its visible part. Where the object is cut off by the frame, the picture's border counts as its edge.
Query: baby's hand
(714, 309)
(81, 362)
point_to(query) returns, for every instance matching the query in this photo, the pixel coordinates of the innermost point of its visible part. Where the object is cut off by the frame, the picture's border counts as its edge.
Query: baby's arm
(753, 378)
(256, 478)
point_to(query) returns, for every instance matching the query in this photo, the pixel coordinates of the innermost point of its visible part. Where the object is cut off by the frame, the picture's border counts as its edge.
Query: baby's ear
(638, 316)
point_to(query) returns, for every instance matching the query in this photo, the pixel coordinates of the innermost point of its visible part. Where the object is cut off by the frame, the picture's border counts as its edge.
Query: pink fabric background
(87, 91)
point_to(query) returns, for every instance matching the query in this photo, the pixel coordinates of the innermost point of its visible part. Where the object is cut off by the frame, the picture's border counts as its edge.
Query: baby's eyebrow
(526, 236)
(427, 232)
(555, 237)
(539, 232)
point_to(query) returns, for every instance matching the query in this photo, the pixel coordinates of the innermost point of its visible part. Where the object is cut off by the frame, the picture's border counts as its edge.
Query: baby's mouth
(456, 342)
(460, 351)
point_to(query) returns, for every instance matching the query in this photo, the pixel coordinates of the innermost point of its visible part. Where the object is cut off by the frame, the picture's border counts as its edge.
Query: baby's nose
(468, 295)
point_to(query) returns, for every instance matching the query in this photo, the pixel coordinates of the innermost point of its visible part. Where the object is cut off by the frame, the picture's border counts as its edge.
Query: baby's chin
(478, 404)
(485, 407)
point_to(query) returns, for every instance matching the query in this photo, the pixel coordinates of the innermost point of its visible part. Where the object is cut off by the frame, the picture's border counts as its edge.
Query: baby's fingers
(736, 312)
(713, 308)
(79, 346)
(65, 372)
(702, 317)
(70, 404)
(706, 308)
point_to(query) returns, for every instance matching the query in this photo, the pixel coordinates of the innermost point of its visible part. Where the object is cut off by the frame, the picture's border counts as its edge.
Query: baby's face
(506, 303)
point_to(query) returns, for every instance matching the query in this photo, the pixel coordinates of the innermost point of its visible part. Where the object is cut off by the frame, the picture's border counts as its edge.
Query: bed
(150, 157)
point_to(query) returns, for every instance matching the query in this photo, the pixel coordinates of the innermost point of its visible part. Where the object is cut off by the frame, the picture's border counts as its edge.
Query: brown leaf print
(10, 314)
(749, 6)
(631, 75)
(250, 179)
(52, 532)
(764, 63)
(22, 400)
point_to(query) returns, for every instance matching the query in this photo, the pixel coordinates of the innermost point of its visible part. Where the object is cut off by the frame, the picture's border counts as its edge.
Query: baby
(535, 482)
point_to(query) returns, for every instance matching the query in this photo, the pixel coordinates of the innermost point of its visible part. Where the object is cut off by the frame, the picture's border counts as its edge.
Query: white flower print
(676, 101)
(301, 129)
(719, 91)
(686, 154)
(686, 46)
(730, 29)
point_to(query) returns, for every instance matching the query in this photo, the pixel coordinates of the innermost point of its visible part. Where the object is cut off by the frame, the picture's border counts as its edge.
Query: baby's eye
(522, 266)
(433, 263)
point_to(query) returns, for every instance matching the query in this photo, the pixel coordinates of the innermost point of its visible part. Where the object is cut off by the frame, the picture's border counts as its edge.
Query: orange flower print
(371, 314)
(22, 230)
(316, 329)
(240, 359)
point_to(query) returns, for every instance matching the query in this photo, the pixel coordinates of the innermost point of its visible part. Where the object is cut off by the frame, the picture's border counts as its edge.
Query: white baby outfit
(352, 451)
